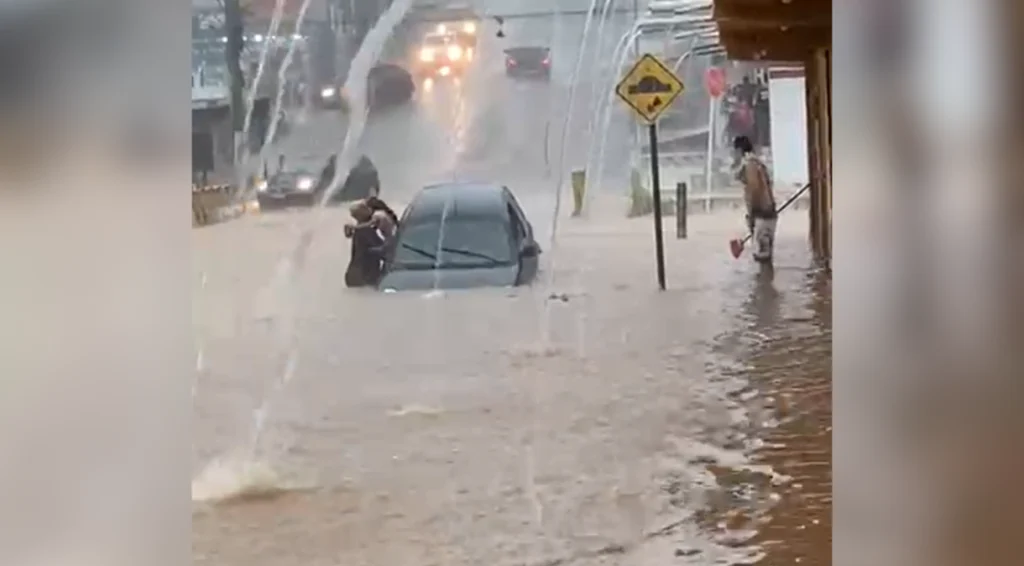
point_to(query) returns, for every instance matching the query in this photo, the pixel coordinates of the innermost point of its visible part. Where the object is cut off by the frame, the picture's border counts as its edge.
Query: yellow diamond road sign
(649, 88)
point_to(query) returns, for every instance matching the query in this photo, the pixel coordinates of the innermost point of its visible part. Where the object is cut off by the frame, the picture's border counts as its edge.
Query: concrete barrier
(212, 204)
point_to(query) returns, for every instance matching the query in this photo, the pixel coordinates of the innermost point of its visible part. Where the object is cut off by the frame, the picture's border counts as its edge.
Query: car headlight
(455, 53)
(426, 55)
(328, 92)
(261, 186)
(469, 27)
(441, 28)
(305, 184)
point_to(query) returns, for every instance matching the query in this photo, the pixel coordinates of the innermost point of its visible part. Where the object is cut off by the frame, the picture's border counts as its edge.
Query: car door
(523, 239)
(522, 215)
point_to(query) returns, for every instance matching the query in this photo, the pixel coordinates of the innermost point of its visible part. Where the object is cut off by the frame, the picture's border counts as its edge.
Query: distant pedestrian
(759, 198)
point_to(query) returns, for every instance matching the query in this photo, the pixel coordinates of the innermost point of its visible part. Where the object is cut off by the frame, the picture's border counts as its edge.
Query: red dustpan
(736, 245)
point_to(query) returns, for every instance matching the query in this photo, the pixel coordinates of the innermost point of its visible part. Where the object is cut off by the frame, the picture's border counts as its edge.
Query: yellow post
(579, 190)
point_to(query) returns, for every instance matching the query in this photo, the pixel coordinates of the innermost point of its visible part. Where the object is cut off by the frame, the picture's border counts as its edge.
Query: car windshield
(464, 243)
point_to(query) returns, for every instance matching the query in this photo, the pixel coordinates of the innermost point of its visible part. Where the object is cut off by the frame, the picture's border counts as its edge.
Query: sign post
(714, 81)
(650, 88)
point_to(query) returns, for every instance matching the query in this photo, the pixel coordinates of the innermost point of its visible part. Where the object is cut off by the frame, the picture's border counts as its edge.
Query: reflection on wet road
(592, 421)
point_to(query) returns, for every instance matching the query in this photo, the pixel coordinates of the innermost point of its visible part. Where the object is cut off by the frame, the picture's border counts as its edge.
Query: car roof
(528, 48)
(461, 199)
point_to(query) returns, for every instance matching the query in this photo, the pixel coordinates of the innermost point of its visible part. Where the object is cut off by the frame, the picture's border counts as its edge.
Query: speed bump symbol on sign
(649, 88)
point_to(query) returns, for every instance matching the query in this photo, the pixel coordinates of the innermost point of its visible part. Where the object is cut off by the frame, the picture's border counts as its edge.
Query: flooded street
(588, 419)
(517, 427)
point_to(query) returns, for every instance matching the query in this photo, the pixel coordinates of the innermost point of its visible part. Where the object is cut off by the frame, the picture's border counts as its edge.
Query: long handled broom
(736, 245)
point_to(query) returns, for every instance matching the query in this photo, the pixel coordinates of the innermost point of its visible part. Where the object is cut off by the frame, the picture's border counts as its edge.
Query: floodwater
(590, 419)
(596, 420)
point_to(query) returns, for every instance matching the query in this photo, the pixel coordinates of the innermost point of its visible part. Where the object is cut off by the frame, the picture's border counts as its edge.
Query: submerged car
(531, 61)
(442, 55)
(291, 187)
(460, 236)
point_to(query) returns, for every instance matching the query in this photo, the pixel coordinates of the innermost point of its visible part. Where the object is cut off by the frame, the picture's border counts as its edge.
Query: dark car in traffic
(531, 61)
(297, 182)
(388, 85)
(306, 184)
(460, 236)
(289, 188)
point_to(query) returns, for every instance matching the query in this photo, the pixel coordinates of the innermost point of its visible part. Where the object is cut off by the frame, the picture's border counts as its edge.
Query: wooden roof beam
(776, 46)
(773, 14)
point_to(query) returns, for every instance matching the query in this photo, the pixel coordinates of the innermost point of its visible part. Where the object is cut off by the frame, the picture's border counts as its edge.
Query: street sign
(649, 88)
(714, 80)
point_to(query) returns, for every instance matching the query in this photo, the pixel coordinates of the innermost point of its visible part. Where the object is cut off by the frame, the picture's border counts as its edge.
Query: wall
(789, 129)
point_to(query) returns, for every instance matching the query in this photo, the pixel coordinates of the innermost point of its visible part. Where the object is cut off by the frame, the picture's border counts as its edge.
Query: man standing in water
(759, 198)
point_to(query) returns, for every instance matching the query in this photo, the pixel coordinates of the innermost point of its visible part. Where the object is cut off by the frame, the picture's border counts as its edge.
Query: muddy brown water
(592, 421)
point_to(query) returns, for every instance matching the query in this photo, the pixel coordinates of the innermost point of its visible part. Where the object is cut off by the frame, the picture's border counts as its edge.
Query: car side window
(517, 224)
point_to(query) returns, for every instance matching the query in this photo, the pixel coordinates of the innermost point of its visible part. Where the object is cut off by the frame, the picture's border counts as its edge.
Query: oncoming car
(441, 54)
(460, 236)
(298, 186)
(463, 32)
(329, 97)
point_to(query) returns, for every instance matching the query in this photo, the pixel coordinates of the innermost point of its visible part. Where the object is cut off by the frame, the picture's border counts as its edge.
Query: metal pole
(712, 112)
(682, 210)
(659, 239)
(234, 30)
(636, 53)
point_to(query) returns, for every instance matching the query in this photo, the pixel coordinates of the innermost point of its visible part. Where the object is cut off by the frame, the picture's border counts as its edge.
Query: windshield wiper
(420, 251)
(470, 253)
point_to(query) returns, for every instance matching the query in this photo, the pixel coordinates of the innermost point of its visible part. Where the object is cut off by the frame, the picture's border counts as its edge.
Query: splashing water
(599, 41)
(275, 23)
(242, 475)
(560, 184)
(283, 71)
(275, 114)
(574, 78)
(605, 110)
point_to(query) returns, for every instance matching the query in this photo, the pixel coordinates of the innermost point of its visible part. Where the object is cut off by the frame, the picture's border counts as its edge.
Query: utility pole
(234, 29)
(637, 131)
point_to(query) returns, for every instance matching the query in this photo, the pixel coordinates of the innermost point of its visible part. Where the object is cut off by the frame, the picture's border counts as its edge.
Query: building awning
(773, 30)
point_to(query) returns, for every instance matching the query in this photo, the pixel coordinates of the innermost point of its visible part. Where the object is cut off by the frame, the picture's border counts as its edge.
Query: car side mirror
(529, 249)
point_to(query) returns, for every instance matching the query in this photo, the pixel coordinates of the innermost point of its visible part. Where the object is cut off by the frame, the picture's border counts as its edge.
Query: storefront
(793, 32)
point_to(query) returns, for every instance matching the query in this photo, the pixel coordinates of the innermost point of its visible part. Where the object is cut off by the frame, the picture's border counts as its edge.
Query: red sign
(714, 81)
